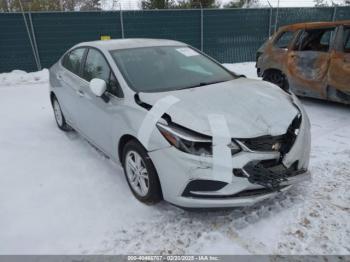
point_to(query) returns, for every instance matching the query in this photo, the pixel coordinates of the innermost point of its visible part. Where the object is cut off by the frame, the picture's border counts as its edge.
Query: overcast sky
(134, 4)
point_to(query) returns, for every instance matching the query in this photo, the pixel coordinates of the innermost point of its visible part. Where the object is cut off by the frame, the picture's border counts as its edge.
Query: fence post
(29, 35)
(34, 40)
(121, 20)
(276, 22)
(270, 18)
(202, 25)
(334, 12)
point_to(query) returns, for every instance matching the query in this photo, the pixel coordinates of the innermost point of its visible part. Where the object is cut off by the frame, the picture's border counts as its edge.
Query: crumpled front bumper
(177, 169)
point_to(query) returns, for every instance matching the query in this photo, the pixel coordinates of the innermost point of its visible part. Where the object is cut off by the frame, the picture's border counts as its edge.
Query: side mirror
(98, 86)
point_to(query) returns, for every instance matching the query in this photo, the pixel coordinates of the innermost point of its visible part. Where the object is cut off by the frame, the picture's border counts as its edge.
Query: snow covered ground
(58, 195)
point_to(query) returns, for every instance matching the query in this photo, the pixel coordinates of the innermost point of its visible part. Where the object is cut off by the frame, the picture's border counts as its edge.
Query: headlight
(189, 141)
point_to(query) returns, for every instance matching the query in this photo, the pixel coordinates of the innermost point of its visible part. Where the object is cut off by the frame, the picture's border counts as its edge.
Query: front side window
(284, 39)
(72, 61)
(167, 68)
(95, 66)
(318, 40)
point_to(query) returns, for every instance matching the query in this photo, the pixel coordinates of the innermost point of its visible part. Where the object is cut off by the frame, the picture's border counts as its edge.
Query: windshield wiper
(202, 84)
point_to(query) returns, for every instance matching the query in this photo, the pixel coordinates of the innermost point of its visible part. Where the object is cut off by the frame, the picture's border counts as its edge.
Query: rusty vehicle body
(309, 59)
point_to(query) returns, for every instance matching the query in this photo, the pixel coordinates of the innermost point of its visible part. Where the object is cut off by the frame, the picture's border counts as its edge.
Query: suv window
(96, 66)
(347, 39)
(284, 39)
(73, 60)
(315, 40)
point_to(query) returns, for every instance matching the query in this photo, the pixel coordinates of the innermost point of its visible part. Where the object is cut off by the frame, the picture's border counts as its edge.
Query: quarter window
(284, 39)
(72, 61)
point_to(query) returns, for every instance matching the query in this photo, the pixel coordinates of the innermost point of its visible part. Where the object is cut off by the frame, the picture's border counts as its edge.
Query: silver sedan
(184, 128)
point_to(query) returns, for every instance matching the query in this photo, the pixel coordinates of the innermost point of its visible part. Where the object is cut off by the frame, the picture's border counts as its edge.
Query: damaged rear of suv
(309, 59)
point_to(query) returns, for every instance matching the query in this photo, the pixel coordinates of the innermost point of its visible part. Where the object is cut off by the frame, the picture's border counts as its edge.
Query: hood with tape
(252, 108)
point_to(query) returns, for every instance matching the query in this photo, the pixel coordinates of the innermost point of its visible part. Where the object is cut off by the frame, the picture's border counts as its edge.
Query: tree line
(84, 5)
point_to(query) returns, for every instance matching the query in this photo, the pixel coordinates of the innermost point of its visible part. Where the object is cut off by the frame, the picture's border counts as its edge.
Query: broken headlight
(189, 141)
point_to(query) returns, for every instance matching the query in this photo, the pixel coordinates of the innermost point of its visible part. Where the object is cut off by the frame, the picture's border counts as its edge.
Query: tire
(141, 174)
(59, 117)
(278, 78)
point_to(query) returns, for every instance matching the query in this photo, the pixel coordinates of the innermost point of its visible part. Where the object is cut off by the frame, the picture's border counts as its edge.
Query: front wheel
(141, 174)
(278, 78)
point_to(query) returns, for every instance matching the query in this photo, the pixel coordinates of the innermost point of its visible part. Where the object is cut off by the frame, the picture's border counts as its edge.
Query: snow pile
(19, 77)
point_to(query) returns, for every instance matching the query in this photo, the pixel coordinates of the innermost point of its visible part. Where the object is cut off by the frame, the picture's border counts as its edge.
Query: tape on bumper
(222, 159)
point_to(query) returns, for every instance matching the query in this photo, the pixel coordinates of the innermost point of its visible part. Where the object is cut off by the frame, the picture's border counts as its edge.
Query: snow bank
(19, 77)
(247, 68)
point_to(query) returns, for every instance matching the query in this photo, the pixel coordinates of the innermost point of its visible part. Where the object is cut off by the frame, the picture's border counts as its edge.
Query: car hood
(252, 108)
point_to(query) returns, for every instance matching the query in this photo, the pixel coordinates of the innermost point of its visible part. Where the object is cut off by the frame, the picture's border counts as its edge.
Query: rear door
(308, 62)
(69, 76)
(339, 70)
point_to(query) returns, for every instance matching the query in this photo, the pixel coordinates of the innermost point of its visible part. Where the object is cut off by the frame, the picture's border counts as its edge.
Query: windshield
(167, 68)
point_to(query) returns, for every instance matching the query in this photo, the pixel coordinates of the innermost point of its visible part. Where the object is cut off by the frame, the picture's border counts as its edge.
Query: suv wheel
(140, 173)
(278, 78)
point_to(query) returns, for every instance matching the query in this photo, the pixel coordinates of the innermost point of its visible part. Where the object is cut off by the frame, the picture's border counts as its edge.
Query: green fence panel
(342, 13)
(181, 25)
(229, 35)
(15, 48)
(234, 35)
(56, 32)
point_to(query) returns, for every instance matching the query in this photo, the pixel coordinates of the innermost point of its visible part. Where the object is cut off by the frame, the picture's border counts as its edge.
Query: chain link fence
(33, 40)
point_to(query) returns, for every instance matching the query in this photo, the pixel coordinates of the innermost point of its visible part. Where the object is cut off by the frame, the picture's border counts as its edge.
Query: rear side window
(318, 40)
(72, 61)
(284, 39)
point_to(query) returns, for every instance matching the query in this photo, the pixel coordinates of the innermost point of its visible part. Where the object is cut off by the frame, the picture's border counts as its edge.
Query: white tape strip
(222, 159)
(152, 117)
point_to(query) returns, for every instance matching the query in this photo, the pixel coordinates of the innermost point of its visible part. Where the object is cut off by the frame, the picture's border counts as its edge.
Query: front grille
(264, 143)
(268, 173)
(281, 143)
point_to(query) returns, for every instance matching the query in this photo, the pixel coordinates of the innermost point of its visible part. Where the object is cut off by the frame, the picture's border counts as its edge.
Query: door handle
(80, 93)
(59, 77)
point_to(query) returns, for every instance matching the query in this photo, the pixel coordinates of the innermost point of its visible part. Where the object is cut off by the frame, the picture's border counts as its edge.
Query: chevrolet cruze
(184, 128)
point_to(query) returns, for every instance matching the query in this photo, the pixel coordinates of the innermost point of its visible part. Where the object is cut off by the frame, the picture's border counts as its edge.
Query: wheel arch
(272, 69)
(122, 142)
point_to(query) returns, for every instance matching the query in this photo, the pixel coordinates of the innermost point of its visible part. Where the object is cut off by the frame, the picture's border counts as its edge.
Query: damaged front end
(271, 173)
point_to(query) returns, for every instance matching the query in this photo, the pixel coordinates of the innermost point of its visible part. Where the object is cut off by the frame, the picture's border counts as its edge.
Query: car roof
(127, 43)
(313, 25)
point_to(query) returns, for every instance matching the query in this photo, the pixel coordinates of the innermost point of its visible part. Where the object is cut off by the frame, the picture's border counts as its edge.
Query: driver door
(308, 62)
(98, 115)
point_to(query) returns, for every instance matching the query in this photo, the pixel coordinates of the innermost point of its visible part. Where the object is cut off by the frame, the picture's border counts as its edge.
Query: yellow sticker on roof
(105, 37)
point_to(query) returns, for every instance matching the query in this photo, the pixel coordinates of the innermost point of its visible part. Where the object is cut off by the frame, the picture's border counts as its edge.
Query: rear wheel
(278, 78)
(140, 173)
(59, 117)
